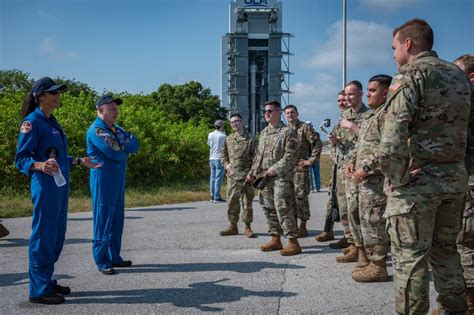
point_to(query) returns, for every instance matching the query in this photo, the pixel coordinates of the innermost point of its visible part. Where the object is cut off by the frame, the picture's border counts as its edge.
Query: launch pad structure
(255, 60)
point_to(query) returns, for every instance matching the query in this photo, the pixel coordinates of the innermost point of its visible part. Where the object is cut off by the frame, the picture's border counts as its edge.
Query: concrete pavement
(181, 265)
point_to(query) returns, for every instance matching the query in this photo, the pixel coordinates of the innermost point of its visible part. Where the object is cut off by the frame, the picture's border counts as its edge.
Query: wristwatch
(366, 168)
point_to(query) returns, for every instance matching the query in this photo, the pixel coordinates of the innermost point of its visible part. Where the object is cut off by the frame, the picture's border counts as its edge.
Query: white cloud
(389, 5)
(368, 44)
(49, 48)
(316, 100)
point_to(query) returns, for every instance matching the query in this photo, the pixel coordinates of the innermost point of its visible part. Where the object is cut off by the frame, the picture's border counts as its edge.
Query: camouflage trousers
(277, 200)
(352, 197)
(342, 202)
(372, 203)
(238, 192)
(423, 229)
(465, 239)
(301, 183)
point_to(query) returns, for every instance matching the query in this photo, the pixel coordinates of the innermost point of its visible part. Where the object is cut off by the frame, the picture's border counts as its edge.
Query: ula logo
(256, 3)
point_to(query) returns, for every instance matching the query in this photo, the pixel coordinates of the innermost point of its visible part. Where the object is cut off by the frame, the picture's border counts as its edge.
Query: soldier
(274, 162)
(365, 170)
(357, 112)
(237, 154)
(341, 195)
(422, 155)
(310, 151)
(465, 239)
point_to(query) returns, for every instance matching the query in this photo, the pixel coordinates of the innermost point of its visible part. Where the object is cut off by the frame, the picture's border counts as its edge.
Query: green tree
(14, 80)
(189, 102)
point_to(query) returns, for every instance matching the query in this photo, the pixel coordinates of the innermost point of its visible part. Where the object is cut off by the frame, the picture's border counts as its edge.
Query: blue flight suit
(38, 134)
(109, 147)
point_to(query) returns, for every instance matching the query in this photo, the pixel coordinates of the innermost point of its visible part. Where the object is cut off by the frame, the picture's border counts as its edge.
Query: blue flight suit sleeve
(106, 143)
(27, 143)
(127, 140)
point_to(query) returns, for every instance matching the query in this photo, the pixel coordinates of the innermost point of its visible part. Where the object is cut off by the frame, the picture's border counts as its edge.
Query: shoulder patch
(394, 86)
(109, 140)
(26, 127)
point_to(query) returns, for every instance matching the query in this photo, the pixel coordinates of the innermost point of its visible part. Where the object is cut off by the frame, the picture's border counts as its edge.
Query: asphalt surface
(181, 265)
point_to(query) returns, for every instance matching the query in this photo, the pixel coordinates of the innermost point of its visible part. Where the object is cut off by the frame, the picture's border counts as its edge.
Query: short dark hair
(356, 83)
(235, 114)
(274, 103)
(466, 63)
(341, 92)
(290, 106)
(383, 80)
(419, 31)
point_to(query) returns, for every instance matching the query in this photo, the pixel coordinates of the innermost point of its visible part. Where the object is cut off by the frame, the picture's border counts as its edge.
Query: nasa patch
(26, 127)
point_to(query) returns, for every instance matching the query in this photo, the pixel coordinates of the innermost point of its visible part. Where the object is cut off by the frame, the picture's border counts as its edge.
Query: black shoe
(122, 264)
(219, 200)
(107, 271)
(61, 290)
(53, 298)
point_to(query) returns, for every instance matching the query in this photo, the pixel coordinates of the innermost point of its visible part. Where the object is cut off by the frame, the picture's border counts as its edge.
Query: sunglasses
(270, 111)
(55, 92)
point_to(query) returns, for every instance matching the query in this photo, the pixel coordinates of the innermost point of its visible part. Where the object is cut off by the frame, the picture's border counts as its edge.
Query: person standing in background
(314, 174)
(215, 141)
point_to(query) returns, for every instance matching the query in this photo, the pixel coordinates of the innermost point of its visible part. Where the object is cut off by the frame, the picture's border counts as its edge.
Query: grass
(19, 205)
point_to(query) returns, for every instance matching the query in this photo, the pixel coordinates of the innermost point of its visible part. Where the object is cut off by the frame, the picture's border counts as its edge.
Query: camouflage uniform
(278, 149)
(425, 128)
(466, 237)
(372, 200)
(310, 149)
(348, 141)
(238, 151)
(340, 187)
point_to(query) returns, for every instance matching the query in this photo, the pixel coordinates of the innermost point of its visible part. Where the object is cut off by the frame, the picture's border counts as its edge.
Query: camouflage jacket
(277, 148)
(426, 124)
(335, 131)
(366, 149)
(347, 139)
(309, 142)
(239, 151)
(470, 142)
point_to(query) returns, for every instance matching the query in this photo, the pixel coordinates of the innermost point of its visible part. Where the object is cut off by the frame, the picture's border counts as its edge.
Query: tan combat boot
(351, 256)
(248, 231)
(302, 231)
(376, 271)
(231, 230)
(362, 260)
(470, 300)
(325, 236)
(292, 248)
(342, 243)
(273, 244)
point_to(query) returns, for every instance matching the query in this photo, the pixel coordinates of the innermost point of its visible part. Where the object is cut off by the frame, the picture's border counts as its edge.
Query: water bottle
(58, 176)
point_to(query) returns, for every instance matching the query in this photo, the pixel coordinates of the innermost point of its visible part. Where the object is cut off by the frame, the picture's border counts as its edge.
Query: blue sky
(137, 45)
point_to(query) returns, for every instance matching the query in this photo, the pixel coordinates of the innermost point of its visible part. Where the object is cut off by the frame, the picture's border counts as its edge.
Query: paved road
(181, 265)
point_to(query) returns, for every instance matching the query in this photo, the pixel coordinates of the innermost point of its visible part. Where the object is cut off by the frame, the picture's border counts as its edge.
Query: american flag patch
(394, 86)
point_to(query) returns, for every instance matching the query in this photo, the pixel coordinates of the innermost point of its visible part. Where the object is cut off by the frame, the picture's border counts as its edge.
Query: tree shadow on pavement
(199, 295)
(160, 209)
(240, 267)
(19, 242)
(90, 218)
(11, 279)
